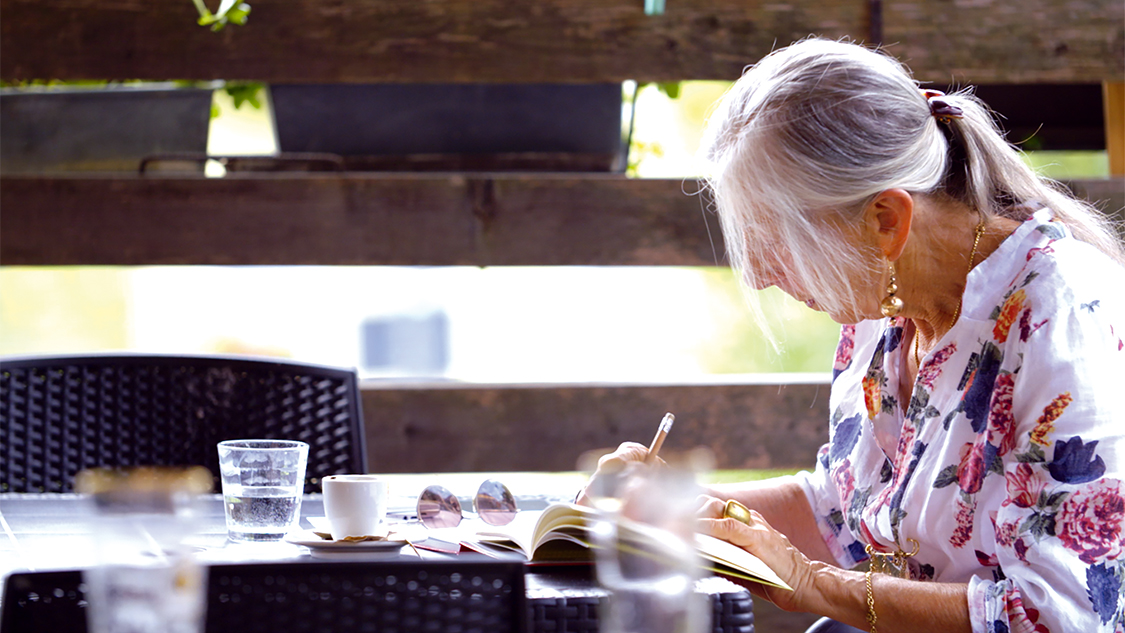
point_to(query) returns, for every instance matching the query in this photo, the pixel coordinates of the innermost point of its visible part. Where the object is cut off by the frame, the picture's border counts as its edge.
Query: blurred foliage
(1062, 165)
(806, 338)
(242, 93)
(740, 475)
(55, 310)
(230, 11)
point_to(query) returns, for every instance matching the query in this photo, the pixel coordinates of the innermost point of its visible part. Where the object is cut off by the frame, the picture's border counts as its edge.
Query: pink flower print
(964, 529)
(987, 560)
(1020, 548)
(1006, 533)
(1040, 250)
(844, 348)
(1024, 487)
(1022, 619)
(905, 446)
(1008, 312)
(1046, 422)
(932, 369)
(971, 470)
(845, 482)
(1001, 423)
(872, 396)
(869, 538)
(1090, 521)
(1027, 328)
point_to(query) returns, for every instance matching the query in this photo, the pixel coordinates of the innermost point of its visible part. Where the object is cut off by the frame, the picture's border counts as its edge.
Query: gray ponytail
(995, 180)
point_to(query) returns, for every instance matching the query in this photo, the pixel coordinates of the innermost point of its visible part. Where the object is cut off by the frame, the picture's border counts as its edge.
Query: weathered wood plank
(761, 424)
(407, 40)
(547, 40)
(1114, 96)
(1033, 41)
(406, 219)
(369, 219)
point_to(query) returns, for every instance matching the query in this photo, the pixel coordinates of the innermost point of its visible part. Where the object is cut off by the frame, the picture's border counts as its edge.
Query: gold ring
(737, 511)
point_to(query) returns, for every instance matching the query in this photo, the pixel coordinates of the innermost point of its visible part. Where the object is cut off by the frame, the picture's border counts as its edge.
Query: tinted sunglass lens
(438, 508)
(495, 503)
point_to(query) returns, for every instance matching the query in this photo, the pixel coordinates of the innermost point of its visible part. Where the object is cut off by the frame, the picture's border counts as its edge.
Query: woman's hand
(627, 457)
(771, 546)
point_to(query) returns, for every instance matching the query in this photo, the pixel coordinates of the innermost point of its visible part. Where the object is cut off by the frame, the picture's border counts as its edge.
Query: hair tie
(941, 109)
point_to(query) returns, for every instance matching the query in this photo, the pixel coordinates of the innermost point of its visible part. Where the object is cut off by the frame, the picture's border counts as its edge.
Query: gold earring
(891, 305)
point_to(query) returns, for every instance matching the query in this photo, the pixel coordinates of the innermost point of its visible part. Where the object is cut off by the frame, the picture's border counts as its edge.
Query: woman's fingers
(708, 507)
(628, 455)
(775, 550)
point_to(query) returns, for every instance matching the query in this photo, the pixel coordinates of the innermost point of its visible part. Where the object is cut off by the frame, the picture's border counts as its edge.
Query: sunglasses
(493, 503)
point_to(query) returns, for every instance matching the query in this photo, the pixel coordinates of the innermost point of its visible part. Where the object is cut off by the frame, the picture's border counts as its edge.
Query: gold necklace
(957, 312)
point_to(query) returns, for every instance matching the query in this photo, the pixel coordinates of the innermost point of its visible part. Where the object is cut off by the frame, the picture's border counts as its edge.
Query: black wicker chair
(470, 596)
(59, 415)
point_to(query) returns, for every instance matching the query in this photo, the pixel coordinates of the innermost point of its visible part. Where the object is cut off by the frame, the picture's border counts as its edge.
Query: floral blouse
(1006, 466)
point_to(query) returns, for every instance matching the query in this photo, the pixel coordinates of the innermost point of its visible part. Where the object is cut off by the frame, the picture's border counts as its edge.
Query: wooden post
(1114, 92)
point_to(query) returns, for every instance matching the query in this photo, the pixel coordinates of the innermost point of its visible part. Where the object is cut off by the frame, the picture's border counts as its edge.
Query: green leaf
(1033, 455)
(233, 13)
(836, 517)
(245, 93)
(670, 88)
(1039, 525)
(1055, 500)
(996, 465)
(947, 476)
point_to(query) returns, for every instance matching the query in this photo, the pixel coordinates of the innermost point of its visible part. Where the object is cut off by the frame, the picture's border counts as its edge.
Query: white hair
(815, 130)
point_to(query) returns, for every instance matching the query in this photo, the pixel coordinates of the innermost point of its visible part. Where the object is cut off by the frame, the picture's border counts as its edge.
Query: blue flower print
(1075, 462)
(979, 394)
(844, 438)
(1103, 588)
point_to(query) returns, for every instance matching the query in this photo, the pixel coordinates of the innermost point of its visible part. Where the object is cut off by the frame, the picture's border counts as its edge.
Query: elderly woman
(975, 449)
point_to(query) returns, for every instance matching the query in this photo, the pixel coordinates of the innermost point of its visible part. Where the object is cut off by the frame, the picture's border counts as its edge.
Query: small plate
(312, 541)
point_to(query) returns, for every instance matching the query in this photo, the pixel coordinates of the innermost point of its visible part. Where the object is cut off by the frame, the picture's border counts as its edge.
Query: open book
(562, 533)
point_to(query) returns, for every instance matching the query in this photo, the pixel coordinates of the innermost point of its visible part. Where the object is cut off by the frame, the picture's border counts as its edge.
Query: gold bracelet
(871, 617)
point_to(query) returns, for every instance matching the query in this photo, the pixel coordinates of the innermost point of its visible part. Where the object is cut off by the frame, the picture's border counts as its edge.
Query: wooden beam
(1034, 41)
(403, 219)
(407, 40)
(1114, 93)
(369, 219)
(760, 422)
(546, 40)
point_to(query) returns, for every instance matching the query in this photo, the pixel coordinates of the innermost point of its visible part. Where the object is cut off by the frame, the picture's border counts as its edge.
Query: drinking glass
(262, 485)
(646, 554)
(144, 579)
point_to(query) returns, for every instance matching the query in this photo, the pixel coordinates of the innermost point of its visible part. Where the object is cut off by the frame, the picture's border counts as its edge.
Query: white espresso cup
(355, 505)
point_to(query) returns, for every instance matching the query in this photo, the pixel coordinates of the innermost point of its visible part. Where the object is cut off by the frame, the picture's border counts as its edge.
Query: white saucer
(310, 540)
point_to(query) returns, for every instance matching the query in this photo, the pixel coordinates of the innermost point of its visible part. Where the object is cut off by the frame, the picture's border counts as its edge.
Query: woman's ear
(887, 221)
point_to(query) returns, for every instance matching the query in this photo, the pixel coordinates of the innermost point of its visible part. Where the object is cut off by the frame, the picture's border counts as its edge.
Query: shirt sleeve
(1060, 528)
(824, 499)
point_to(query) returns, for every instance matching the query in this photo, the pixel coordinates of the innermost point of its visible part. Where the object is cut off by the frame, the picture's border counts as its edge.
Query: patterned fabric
(1006, 464)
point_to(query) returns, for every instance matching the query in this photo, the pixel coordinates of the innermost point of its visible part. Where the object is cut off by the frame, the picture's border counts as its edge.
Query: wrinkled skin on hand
(628, 457)
(763, 541)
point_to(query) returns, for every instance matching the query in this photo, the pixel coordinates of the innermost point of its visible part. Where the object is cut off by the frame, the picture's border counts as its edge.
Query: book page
(562, 532)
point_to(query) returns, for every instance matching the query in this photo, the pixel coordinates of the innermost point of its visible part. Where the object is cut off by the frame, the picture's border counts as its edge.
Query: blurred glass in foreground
(144, 579)
(646, 554)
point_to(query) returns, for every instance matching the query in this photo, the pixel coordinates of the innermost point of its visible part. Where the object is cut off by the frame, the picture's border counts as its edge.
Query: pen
(658, 440)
